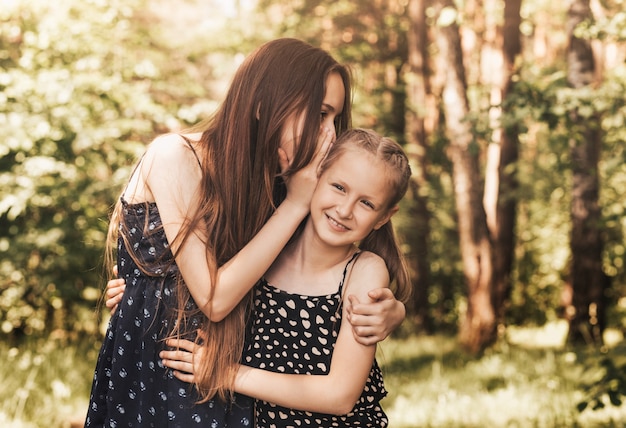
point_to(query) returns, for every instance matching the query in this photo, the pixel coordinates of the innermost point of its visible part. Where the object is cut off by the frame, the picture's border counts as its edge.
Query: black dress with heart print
(292, 333)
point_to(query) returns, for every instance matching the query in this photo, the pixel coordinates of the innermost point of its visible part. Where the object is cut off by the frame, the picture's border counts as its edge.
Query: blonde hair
(382, 241)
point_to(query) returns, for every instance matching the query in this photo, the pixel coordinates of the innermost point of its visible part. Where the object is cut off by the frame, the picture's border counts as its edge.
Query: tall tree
(478, 327)
(587, 278)
(504, 233)
(501, 182)
(416, 79)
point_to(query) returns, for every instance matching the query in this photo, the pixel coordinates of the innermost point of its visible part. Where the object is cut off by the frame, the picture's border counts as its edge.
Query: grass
(517, 384)
(46, 383)
(524, 381)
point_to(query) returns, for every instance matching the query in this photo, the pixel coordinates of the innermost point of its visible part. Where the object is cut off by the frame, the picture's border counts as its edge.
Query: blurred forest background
(513, 113)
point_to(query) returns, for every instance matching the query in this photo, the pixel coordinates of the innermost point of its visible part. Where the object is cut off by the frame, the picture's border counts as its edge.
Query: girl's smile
(336, 225)
(351, 199)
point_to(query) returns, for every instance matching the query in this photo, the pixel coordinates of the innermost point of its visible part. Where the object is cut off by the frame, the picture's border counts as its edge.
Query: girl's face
(351, 199)
(331, 107)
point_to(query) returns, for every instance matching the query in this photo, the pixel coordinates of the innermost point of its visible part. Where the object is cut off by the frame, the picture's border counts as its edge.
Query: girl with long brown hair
(202, 218)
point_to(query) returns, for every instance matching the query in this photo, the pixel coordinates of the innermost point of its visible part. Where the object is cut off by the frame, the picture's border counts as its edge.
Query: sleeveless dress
(292, 333)
(130, 386)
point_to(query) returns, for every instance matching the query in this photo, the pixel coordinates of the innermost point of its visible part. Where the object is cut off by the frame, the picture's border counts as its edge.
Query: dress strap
(193, 150)
(129, 178)
(345, 271)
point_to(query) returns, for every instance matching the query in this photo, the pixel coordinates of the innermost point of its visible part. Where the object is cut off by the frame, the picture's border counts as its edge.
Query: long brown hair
(241, 180)
(382, 241)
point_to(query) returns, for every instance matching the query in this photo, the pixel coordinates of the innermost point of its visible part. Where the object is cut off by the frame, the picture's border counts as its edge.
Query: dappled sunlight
(553, 334)
(86, 85)
(550, 335)
(432, 383)
(45, 383)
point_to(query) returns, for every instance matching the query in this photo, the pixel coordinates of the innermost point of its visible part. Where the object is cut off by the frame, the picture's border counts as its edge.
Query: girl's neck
(309, 267)
(319, 253)
(311, 254)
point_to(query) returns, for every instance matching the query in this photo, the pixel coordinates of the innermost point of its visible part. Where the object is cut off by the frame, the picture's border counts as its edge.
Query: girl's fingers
(181, 366)
(185, 377)
(365, 323)
(181, 345)
(380, 294)
(115, 287)
(177, 360)
(327, 137)
(114, 293)
(113, 302)
(180, 360)
(365, 340)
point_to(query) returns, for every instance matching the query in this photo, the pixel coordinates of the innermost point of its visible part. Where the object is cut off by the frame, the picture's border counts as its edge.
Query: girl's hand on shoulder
(374, 321)
(300, 186)
(114, 291)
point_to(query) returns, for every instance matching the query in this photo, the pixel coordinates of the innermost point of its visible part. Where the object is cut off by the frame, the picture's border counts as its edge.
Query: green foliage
(85, 84)
(78, 86)
(540, 104)
(369, 37)
(605, 381)
(612, 198)
(610, 27)
(46, 382)
(543, 199)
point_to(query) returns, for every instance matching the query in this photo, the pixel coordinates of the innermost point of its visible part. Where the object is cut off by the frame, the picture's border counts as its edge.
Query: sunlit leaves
(604, 381)
(447, 17)
(611, 27)
(76, 108)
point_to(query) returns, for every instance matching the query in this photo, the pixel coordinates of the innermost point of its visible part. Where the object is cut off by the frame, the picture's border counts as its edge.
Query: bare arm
(338, 391)
(334, 393)
(172, 175)
(371, 322)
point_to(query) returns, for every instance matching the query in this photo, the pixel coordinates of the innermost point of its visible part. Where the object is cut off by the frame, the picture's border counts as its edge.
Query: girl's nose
(344, 210)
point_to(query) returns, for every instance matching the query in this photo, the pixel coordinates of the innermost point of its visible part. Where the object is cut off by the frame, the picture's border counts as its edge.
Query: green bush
(80, 87)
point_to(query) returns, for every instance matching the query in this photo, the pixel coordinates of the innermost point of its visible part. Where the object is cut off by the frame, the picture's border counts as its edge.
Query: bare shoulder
(369, 272)
(370, 263)
(167, 146)
(170, 155)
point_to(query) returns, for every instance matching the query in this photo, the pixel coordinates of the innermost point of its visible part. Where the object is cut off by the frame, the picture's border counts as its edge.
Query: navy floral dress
(293, 333)
(130, 386)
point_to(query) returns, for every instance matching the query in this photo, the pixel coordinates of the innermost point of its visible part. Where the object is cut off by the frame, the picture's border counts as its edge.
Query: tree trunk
(506, 140)
(417, 90)
(587, 278)
(477, 329)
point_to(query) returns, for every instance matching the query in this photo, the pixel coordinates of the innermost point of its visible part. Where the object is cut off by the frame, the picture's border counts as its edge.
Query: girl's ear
(283, 160)
(386, 217)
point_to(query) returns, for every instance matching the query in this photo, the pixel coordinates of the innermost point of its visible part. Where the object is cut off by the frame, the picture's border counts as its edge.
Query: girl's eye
(368, 204)
(338, 187)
